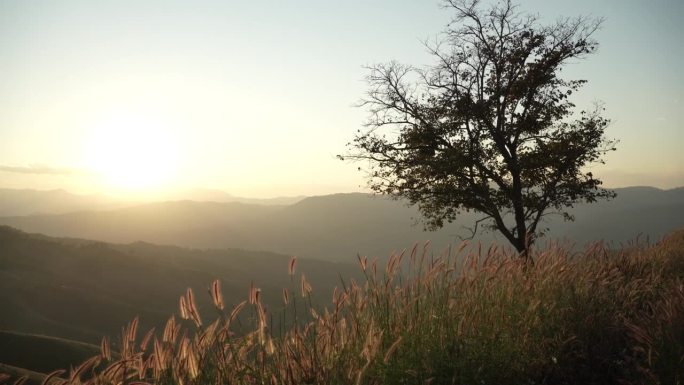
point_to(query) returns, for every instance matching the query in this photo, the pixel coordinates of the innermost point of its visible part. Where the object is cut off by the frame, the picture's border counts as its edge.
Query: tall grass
(469, 316)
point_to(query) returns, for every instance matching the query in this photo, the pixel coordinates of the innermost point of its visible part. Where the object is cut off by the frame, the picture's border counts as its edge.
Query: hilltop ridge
(337, 227)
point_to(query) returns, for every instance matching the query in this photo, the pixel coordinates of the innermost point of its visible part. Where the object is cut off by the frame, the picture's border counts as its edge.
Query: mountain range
(19, 202)
(90, 271)
(340, 226)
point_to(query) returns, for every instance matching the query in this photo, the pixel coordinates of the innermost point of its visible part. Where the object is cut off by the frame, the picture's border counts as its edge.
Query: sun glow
(133, 153)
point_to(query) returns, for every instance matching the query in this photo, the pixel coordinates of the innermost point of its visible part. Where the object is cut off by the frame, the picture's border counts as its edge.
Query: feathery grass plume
(257, 296)
(184, 313)
(183, 348)
(170, 330)
(363, 261)
(305, 286)
(133, 329)
(105, 351)
(286, 297)
(216, 294)
(392, 263)
(160, 361)
(252, 294)
(146, 340)
(192, 308)
(291, 267)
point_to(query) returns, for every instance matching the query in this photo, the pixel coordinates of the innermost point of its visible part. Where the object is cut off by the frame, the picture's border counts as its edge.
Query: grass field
(471, 316)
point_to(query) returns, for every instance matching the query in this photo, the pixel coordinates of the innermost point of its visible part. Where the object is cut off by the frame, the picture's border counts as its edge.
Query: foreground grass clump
(478, 317)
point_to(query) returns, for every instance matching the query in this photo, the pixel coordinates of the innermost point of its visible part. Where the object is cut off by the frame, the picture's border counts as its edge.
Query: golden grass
(465, 317)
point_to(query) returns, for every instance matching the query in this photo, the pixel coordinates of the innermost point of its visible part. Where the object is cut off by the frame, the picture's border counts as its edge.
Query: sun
(133, 153)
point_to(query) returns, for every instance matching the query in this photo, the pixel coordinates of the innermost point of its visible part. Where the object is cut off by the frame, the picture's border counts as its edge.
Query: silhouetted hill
(82, 290)
(337, 227)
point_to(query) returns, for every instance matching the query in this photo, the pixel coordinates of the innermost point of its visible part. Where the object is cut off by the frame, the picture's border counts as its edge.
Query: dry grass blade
(48, 380)
(286, 296)
(76, 373)
(21, 380)
(391, 350)
(236, 310)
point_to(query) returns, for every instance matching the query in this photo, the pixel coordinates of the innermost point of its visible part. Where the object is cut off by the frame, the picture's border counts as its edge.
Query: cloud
(42, 169)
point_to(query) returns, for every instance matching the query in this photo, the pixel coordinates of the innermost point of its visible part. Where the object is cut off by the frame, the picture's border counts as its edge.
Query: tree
(489, 127)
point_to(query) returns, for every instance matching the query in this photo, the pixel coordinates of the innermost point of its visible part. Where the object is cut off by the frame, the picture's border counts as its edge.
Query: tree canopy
(489, 127)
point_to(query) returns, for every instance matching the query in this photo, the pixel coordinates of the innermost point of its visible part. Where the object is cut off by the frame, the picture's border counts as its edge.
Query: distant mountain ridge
(337, 227)
(33, 202)
(212, 195)
(21, 202)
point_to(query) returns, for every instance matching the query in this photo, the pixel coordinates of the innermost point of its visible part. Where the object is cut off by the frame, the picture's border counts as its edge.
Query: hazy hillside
(29, 202)
(644, 211)
(337, 227)
(210, 195)
(19, 202)
(82, 290)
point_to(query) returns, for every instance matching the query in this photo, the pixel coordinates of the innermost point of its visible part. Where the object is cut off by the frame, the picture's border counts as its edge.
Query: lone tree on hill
(489, 127)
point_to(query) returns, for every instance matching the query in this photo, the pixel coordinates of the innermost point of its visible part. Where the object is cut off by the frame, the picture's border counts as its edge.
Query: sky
(257, 98)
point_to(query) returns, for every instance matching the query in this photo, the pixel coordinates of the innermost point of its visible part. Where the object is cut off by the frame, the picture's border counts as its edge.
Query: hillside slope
(42, 354)
(32, 202)
(337, 227)
(83, 290)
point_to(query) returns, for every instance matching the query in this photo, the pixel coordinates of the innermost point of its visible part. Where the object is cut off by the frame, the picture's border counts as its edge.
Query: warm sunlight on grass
(133, 152)
(469, 316)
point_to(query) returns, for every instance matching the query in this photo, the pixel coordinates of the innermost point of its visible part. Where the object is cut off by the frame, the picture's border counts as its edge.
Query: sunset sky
(257, 97)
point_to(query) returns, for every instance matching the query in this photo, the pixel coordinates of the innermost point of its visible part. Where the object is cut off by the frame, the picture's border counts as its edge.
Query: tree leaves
(490, 126)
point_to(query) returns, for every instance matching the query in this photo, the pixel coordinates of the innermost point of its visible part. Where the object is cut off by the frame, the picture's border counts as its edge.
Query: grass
(470, 316)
